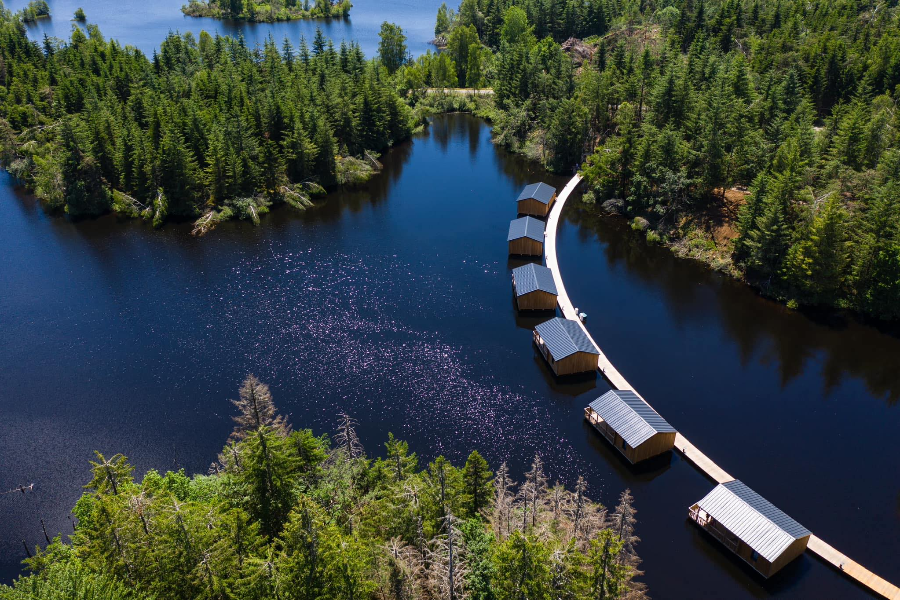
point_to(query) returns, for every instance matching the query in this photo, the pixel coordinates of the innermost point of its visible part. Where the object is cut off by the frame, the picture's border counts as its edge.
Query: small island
(271, 11)
(36, 9)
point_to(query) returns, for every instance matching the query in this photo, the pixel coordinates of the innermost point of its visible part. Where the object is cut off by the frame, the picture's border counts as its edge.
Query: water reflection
(145, 24)
(644, 471)
(763, 330)
(382, 302)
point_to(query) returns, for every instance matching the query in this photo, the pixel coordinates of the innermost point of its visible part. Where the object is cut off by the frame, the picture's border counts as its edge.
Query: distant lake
(393, 302)
(145, 24)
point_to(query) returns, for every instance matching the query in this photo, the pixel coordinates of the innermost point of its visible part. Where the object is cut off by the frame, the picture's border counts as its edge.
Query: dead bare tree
(257, 410)
(346, 437)
(138, 504)
(501, 515)
(586, 518)
(405, 571)
(557, 500)
(446, 572)
(623, 521)
(532, 493)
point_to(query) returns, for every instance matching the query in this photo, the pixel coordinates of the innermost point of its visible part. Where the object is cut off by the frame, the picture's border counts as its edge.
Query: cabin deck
(703, 463)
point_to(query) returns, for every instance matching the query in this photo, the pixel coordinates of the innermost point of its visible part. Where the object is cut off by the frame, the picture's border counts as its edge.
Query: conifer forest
(287, 514)
(779, 118)
(757, 136)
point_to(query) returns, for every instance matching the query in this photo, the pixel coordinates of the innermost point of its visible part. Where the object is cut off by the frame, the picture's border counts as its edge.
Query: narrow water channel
(393, 303)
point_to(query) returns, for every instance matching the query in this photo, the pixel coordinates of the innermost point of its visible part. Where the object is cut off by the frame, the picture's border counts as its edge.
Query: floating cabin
(631, 425)
(526, 237)
(751, 527)
(566, 347)
(536, 199)
(534, 287)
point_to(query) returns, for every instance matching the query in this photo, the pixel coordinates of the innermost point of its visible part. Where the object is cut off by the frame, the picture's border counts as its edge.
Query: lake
(145, 24)
(390, 303)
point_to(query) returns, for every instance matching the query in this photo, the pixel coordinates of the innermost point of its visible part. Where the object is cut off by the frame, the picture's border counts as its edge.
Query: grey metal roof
(564, 338)
(526, 227)
(531, 277)
(752, 518)
(541, 192)
(630, 416)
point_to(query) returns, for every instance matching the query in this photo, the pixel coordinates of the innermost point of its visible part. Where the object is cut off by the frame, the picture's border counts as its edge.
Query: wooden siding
(659, 443)
(536, 300)
(526, 247)
(739, 547)
(792, 552)
(655, 445)
(579, 362)
(532, 207)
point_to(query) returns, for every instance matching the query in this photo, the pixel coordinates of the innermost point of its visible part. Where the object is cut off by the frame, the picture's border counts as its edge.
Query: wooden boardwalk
(704, 464)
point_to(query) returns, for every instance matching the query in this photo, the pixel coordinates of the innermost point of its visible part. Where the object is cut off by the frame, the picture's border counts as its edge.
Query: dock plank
(703, 463)
(853, 569)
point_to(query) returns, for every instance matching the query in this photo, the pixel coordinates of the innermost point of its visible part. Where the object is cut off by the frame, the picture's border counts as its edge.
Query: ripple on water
(344, 333)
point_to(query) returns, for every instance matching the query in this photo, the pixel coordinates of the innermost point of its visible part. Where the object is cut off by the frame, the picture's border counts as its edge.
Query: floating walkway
(848, 567)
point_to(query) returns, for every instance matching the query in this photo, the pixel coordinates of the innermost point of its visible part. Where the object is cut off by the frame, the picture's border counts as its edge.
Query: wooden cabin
(526, 237)
(630, 425)
(536, 199)
(566, 347)
(534, 287)
(751, 527)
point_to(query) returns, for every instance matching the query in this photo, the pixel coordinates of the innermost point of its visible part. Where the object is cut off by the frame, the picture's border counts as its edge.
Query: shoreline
(830, 555)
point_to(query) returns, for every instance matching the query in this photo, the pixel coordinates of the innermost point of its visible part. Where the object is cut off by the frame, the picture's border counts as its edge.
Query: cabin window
(624, 445)
(754, 555)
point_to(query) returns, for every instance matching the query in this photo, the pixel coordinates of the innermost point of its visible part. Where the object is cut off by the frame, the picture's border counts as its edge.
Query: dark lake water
(393, 303)
(145, 24)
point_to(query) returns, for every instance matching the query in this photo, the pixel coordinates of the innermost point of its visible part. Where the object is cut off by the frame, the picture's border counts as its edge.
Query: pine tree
(392, 46)
(85, 191)
(477, 480)
(608, 574)
(399, 461)
(522, 568)
(109, 475)
(442, 22)
(817, 263)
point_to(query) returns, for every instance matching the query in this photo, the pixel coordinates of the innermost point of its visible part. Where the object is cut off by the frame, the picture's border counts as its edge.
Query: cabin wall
(792, 552)
(539, 342)
(580, 362)
(602, 426)
(537, 300)
(731, 542)
(574, 363)
(526, 247)
(658, 444)
(534, 208)
(760, 564)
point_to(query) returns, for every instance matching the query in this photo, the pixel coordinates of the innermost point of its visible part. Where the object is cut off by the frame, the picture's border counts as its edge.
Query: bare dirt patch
(720, 216)
(708, 233)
